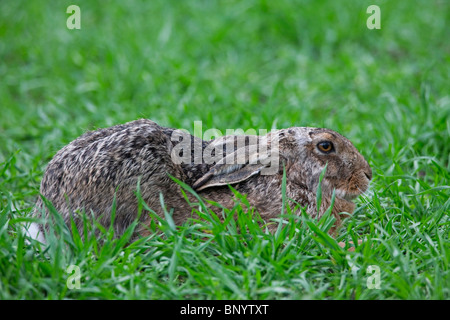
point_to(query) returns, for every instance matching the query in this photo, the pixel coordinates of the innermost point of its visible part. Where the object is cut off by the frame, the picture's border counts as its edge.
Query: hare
(96, 167)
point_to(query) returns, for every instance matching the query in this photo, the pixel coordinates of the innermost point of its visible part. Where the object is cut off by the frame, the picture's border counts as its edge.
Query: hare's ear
(241, 164)
(223, 174)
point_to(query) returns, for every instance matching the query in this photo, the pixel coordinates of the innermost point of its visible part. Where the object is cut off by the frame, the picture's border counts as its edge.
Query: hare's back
(99, 161)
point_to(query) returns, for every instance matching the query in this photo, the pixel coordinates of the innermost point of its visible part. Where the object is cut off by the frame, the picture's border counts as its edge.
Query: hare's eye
(325, 146)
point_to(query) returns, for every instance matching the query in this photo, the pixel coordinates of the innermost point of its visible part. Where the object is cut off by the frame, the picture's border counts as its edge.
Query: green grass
(233, 64)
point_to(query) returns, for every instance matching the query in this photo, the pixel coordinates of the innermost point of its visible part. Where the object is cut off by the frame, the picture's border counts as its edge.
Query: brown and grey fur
(88, 172)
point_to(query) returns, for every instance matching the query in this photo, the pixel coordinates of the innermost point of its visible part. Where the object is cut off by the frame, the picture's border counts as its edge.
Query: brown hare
(88, 172)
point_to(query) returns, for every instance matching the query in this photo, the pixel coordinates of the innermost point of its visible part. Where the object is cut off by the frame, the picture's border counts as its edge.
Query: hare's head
(308, 150)
(304, 152)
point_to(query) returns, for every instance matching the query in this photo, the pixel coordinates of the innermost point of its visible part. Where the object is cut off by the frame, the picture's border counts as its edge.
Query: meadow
(249, 64)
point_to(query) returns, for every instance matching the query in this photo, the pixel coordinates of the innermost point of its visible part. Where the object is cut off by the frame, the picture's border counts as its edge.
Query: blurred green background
(241, 64)
(247, 64)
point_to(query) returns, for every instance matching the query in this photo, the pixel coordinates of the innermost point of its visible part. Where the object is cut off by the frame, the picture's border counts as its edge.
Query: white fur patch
(32, 230)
